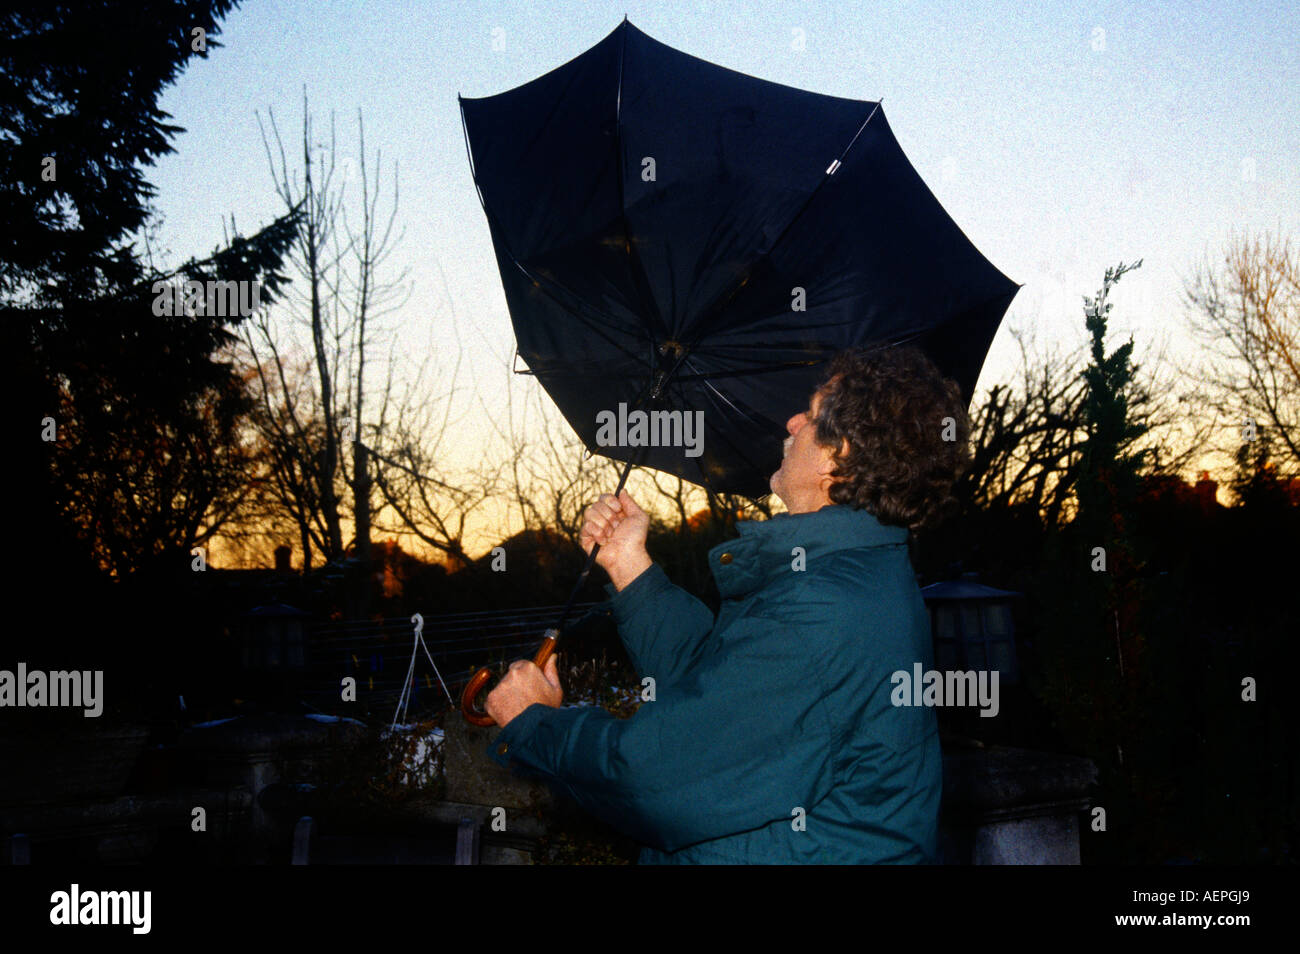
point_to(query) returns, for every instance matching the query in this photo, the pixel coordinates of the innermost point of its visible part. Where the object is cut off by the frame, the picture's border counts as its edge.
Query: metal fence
(378, 652)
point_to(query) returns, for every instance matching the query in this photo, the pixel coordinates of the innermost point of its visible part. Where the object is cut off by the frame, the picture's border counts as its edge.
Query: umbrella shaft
(591, 559)
(653, 393)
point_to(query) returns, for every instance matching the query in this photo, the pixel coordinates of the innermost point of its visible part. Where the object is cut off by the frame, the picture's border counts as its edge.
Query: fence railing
(378, 652)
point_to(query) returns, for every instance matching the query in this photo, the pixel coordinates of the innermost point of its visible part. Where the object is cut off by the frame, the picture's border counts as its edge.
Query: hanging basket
(413, 759)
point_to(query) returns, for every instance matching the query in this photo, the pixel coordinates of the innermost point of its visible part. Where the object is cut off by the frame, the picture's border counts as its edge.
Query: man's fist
(620, 527)
(523, 685)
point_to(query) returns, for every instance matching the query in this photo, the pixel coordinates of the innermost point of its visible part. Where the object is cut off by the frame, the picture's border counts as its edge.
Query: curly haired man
(772, 737)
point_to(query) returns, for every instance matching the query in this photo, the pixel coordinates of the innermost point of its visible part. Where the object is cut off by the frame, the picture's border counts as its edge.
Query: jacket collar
(765, 548)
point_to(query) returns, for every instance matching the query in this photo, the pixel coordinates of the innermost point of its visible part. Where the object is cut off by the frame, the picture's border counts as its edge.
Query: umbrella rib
(635, 269)
(795, 218)
(722, 397)
(469, 154)
(708, 484)
(704, 377)
(540, 281)
(740, 373)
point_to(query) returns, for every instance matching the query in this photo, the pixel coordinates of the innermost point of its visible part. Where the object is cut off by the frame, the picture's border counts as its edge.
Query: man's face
(803, 478)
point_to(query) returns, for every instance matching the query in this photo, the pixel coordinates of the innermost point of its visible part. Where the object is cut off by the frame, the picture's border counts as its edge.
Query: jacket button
(725, 558)
(503, 748)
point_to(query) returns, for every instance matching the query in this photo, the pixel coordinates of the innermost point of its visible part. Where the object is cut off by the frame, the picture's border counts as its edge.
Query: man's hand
(523, 685)
(620, 527)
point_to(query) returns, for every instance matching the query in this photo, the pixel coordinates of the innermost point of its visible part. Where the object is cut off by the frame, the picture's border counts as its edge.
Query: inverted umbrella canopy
(653, 212)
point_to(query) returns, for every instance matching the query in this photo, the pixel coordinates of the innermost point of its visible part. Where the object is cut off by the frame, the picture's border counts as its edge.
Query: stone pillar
(1008, 806)
(477, 786)
(256, 751)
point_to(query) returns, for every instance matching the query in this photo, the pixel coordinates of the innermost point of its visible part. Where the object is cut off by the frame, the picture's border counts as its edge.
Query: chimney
(282, 554)
(1207, 490)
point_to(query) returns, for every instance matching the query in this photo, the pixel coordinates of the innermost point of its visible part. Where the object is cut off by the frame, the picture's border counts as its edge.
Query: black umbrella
(649, 210)
(690, 243)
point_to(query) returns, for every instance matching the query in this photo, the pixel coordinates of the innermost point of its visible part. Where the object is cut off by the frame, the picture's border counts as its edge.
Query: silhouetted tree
(139, 407)
(1246, 312)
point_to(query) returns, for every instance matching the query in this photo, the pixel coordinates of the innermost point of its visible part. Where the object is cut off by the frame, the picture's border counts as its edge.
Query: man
(772, 737)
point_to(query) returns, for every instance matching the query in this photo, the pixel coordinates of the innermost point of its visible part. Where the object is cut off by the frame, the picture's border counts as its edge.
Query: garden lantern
(275, 638)
(972, 627)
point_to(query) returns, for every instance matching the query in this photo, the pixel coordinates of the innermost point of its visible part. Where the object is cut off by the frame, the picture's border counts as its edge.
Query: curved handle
(476, 716)
(473, 714)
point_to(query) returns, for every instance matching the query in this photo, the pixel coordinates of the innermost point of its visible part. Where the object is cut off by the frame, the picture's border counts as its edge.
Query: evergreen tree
(127, 422)
(79, 89)
(1110, 467)
(1092, 583)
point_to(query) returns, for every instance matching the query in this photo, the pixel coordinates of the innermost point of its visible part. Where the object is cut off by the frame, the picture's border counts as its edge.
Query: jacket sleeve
(744, 740)
(661, 625)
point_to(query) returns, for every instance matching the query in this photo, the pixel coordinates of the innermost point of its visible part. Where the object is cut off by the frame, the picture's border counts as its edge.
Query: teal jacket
(771, 737)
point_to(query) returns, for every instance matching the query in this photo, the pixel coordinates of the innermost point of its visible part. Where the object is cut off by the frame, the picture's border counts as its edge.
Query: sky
(1062, 138)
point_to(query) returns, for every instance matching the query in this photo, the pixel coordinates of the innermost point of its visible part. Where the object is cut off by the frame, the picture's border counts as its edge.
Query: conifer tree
(126, 421)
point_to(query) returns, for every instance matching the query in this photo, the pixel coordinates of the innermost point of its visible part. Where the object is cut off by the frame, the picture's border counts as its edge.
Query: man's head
(804, 478)
(873, 437)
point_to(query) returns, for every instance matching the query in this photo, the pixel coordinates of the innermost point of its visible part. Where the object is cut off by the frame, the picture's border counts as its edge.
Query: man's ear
(830, 461)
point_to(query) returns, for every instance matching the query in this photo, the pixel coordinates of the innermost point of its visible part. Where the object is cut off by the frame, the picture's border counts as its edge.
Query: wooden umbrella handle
(476, 716)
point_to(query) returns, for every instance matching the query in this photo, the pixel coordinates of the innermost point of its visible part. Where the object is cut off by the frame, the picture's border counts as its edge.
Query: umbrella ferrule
(671, 347)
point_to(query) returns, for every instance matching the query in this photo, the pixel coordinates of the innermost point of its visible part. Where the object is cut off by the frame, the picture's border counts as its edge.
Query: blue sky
(1061, 138)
